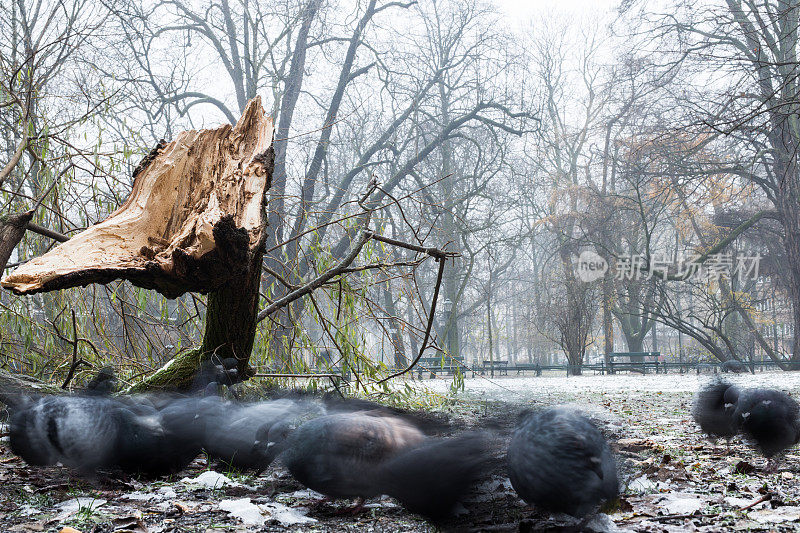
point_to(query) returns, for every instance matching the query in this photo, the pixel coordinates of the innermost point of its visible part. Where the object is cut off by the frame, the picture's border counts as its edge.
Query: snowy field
(515, 389)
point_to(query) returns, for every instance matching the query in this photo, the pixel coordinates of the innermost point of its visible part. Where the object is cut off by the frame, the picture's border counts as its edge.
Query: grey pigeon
(558, 460)
(368, 453)
(91, 433)
(103, 383)
(714, 410)
(734, 365)
(769, 419)
(231, 428)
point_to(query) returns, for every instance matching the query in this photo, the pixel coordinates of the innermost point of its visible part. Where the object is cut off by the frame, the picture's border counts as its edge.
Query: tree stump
(195, 220)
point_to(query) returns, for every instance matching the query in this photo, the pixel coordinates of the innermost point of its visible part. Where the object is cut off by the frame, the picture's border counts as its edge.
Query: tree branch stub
(192, 222)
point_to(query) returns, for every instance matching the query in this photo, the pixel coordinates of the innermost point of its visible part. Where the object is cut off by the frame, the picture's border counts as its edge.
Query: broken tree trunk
(194, 222)
(12, 228)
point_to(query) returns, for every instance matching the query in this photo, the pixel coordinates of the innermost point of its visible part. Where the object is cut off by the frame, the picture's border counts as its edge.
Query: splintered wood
(194, 219)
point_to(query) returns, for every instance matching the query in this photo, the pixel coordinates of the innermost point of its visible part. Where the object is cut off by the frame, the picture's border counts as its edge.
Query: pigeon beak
(745, 415)
(595, 463)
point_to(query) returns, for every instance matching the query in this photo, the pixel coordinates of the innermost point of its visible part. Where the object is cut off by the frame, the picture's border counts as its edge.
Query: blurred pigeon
(769, 419)
(714, 409)
(90, 433)
(232, 427)
(432, 478)
(79, 432)
(734, 365)
(559, 461)
(368, 453)
(223, 372)
(103, 383)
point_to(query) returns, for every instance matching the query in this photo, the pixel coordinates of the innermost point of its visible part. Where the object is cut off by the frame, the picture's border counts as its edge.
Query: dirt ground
(673, 479)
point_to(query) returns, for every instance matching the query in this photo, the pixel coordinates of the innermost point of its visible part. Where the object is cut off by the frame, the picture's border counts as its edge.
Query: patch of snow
(245, 510)
(211, 480)
(742, 502)
(140, 496)
(27, 510)
(642, 485)
(775, 516)
(547, 386)
(287, 516)
(74, 505)
(307, 493)
(602, 523)
(383, 503)
(682, 503)
(168, 492)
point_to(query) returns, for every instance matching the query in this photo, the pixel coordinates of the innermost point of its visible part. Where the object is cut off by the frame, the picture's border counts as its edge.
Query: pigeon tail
(431, 478)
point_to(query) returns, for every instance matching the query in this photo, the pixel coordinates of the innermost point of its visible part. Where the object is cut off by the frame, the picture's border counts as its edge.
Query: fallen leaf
(743, 467)
(129, 524)
(30, 527)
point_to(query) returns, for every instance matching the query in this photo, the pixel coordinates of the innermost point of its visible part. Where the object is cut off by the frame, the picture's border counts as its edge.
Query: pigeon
(714, 408)
(431, 479)
(734, 365)
(103, 383)
(558, 460)
(78, 432)
(231, 429)
(769, 419)
(369, 453)
(91, 433)
(223, 372)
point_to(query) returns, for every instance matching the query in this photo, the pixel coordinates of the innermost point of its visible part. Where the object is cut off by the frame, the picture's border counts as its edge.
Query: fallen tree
(194, 222)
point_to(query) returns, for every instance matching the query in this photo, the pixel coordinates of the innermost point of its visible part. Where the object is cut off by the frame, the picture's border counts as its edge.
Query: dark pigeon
(91, 433)
(223, 372)
(369, 453)
(769, 419)
(432, 478)
(734, 365)
(714, 410)
(231, 429)
(103, 384)
(79, 432)
(559, 461)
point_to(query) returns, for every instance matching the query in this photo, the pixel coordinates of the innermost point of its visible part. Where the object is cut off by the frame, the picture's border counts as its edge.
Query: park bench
(632, 366)
(525, 367)
(500, 366)
(445, 365)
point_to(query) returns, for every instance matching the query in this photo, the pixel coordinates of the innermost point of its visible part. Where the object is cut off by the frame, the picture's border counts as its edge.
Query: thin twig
(50, 188)
(431, 316)
(681, 516)
(319, 280)
(433, 252)
(75, 361)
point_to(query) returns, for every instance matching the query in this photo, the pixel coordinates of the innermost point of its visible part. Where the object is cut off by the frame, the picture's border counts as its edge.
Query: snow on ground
(518, 389)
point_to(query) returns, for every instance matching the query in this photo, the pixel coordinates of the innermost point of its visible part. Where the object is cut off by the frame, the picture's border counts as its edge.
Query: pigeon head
(271, 439)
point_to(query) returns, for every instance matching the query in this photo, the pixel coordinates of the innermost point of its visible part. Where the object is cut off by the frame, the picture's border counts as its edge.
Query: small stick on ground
(765, 498)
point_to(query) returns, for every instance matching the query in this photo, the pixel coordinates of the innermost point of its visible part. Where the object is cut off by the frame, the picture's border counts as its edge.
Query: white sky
(521, 11)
